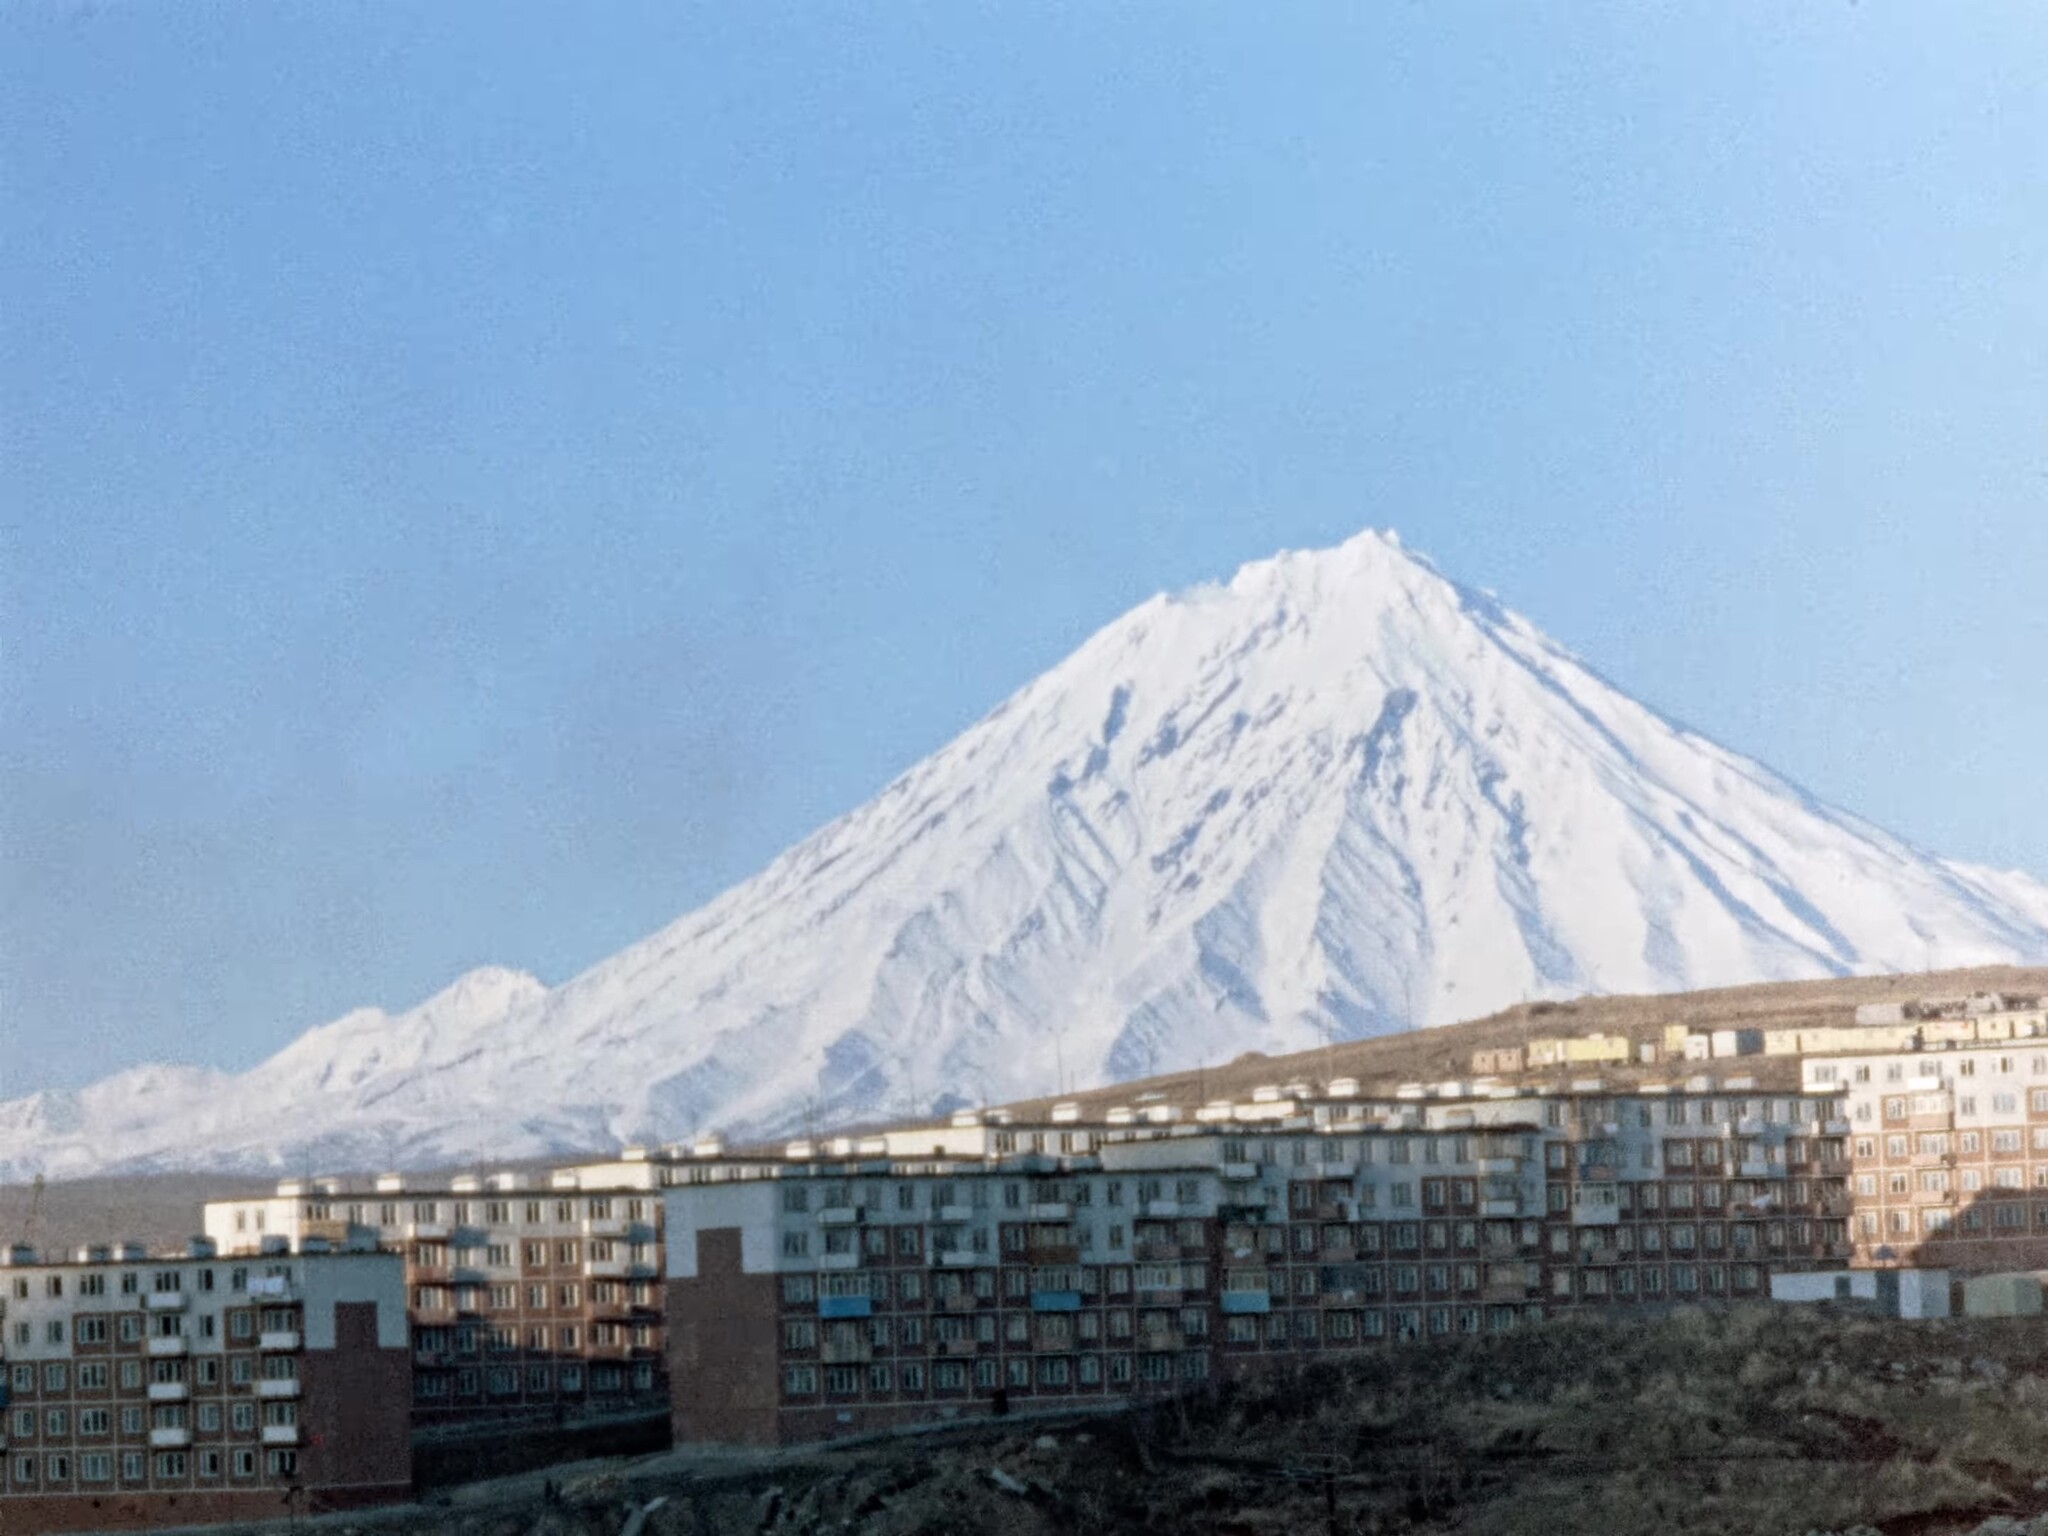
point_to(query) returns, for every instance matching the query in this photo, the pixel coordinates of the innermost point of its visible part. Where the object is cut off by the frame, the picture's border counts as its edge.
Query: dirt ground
(1429, 1055)
(164, 1208)
(1758, 1420)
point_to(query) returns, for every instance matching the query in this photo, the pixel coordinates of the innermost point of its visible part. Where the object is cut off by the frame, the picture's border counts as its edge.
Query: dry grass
(1716, 1424)
(1446, 1052)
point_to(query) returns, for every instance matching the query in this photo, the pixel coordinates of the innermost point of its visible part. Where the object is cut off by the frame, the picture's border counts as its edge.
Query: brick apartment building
(527, 1298)
(863, 1283)
(1948, 1153)
(140, 1390)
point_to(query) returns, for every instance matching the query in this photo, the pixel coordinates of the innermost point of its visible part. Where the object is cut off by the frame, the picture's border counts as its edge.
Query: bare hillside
(1432, 1055)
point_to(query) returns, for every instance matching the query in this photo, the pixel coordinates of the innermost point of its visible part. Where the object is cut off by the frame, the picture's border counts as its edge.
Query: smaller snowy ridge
(1339, 794)
(166, 1115)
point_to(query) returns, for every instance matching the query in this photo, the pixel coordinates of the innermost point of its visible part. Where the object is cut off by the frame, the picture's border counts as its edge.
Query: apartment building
(1948, 1152)
(528, 1297)
(140, 1390)
(861, 1283)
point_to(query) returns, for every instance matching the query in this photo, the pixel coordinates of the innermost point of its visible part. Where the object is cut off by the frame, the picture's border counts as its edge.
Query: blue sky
(479, 479)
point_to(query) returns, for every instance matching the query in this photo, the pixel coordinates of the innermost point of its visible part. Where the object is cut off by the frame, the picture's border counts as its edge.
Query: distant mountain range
(1337, 796)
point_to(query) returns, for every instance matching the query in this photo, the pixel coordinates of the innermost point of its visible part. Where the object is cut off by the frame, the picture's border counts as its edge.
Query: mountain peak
(1338, 794)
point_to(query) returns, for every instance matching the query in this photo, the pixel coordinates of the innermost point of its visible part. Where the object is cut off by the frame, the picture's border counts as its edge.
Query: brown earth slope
(1430, 1055)
(1712, 1423)
(165, 1208)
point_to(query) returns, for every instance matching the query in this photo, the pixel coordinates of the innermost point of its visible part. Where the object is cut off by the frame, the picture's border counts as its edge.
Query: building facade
(869, 1282)
(1948, 1153)
(142, 1391)
(527, 1298)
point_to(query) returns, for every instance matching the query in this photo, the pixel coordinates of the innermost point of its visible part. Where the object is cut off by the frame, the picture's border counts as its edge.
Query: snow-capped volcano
(1340, 793)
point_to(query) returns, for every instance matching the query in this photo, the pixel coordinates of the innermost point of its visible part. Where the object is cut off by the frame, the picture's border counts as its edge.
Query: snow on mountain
(1340, 793)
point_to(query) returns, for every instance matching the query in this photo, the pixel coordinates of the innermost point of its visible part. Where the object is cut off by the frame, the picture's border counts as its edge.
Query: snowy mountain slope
(1338, 793)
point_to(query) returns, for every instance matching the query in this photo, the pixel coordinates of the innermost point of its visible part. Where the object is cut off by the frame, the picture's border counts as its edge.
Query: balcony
(952, 1213)
(1498, 1207)
(845, 1306)
(280, 1434)
(279, 1341)
(280, 1389)
(839, 1261)
(838, 1215)
(604, 1226)
(1237, 1302)
(169, 1439)
(1158, 1207)
(165, 1301)
(1239, 1173)
(1050, 1210)
(966, 1301)
(1758, 1168)
(957, 1346)
(605, 1269)
(1055, 1253)
(955, 1258)
(168, 1392)
(849, 1353)
(1055, 1301)
(168, 1344)
(1154, 1251)
(426, 1231)
(1835, 1128)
